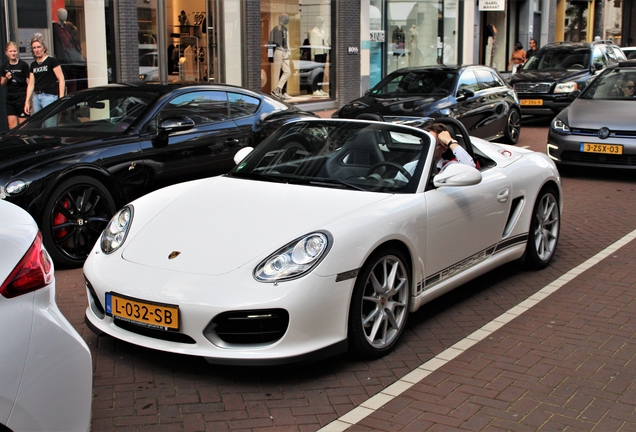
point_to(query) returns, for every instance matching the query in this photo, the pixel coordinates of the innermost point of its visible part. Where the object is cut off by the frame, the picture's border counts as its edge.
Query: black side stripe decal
(474, 260)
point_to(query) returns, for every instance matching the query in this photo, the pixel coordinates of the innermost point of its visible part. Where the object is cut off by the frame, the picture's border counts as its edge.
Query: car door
(465, 224)
(206, 149)
(471, 109)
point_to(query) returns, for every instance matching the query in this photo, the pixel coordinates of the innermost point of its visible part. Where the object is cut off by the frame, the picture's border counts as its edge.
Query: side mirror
(464, 94)
(242, 154)
(457, 174)
(598, 66)
(177, 124)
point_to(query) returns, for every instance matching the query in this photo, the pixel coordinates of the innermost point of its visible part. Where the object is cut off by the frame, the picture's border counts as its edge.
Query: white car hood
(224, 223)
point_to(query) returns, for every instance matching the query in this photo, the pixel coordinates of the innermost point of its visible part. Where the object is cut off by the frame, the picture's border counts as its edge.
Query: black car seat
(356, 156)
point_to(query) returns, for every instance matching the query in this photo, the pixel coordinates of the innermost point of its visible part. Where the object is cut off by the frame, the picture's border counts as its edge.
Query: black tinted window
(431, 82)
(486, 78)
(242, 105)
(468, 81)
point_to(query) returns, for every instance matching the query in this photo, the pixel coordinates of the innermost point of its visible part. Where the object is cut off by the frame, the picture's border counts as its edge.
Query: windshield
(564, 58)
(92, 113)
(613, 84)
(356, 155)
(433, 83)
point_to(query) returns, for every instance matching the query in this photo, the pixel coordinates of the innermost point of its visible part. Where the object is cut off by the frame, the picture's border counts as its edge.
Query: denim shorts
(40, 100)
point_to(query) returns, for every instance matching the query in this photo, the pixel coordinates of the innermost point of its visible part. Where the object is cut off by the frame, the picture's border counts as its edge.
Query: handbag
(71, 56)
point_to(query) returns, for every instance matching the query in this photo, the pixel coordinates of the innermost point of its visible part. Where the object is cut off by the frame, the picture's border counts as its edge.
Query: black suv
(550, 79)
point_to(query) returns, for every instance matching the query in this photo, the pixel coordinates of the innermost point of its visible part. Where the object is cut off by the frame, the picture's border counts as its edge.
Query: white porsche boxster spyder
(324, 238)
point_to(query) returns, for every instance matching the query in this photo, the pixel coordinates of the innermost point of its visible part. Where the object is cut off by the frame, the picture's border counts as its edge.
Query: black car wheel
(513, 127)
(74, 217)
(544, 230)
(379, 304)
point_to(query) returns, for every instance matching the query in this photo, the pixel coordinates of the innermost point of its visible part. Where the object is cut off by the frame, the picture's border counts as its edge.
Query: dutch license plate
(148, 314)
(601, 148)
(533, 102)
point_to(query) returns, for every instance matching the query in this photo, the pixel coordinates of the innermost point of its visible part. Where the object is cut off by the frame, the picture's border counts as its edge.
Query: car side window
(468, 81)
(486, 79)
(203, 107)
(598, 57)
(242, 105)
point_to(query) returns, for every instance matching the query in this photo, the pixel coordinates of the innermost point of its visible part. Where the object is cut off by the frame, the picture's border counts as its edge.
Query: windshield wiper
(337, 183)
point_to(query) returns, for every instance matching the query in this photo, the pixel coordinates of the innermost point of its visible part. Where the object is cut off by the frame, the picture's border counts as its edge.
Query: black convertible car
(73, 164)
(475, 95)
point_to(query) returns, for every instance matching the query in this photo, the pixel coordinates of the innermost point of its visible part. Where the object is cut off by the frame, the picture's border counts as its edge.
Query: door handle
(231, 142)
(503, 195)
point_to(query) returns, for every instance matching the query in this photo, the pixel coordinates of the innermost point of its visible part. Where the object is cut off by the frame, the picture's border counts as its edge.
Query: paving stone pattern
(566, 364)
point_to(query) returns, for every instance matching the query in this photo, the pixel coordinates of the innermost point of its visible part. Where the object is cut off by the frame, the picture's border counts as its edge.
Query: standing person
(517, 59)
(533, 48)
(15, 75)
(46, 80)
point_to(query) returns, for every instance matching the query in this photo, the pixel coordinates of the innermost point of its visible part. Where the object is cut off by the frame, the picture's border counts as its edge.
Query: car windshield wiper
(337, 183)
(258, 176)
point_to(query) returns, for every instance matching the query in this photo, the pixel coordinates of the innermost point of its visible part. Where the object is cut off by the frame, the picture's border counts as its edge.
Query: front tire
(74, 217)
(379, 304)
(513, 127)
(544, 230)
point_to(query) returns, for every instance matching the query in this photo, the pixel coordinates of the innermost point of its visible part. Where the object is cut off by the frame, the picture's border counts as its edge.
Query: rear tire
(544, 230)
(379, 304)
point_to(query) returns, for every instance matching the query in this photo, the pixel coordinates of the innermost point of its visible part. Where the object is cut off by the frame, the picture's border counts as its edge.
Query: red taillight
(34, 271)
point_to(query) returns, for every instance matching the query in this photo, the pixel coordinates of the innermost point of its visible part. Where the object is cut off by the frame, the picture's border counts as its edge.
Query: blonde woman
(46, 81)
(15, 75)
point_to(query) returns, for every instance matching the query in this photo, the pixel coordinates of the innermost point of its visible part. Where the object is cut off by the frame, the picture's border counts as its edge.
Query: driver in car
(447, 151)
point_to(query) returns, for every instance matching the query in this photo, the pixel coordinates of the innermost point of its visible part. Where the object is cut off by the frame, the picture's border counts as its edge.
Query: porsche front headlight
(115, 233)
(294, 259)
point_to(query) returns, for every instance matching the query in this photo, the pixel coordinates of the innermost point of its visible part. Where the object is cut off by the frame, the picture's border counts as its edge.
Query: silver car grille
(594, 132)
(533, 87)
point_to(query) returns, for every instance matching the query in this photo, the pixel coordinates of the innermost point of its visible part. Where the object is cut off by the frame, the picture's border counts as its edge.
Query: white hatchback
(45, 366)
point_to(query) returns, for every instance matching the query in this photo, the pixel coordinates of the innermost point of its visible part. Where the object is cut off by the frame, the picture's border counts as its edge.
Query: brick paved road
(566, 363)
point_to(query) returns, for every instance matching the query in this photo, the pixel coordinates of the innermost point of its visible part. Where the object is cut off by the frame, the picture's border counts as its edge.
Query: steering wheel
(399, 167)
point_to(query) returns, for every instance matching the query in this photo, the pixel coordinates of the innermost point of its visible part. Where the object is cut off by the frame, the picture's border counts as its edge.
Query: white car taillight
(34, 271)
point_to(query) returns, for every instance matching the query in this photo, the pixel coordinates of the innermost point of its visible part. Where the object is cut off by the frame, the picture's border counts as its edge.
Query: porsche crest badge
(174, 254)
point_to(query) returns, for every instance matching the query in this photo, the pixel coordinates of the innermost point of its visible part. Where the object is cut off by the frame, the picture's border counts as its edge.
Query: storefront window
(576, 20)
(376, 43)
(296, 49)
(69, 42)
(421, 33)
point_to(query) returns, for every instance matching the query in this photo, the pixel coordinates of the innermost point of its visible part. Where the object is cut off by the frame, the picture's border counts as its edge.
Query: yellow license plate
(533, 102)
(602, 148)
(148, 314)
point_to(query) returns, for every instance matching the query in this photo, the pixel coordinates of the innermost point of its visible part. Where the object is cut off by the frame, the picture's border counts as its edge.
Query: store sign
(450, 8)
(492, 5)
(376, 36)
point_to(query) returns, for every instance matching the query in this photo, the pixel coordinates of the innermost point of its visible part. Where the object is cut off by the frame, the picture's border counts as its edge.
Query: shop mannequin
(317, 41)
(491, 45)
(413, 45)
(398, 40)
(67, 50)
(280, 37)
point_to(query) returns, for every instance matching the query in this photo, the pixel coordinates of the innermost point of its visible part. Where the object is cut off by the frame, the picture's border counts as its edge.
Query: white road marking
(380, 399)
